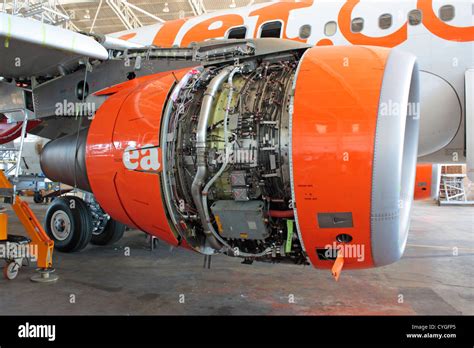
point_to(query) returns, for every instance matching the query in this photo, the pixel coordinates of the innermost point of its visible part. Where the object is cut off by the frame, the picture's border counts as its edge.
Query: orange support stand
(32, 226)
(35, 231)
(3, 225)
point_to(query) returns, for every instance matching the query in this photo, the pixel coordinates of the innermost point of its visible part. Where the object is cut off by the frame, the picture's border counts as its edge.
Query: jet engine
(286, 157)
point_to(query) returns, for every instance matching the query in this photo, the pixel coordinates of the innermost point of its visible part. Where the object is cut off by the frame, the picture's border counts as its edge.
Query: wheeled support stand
(35, 231)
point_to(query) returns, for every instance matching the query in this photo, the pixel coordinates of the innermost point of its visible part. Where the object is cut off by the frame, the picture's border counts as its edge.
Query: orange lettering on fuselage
(345, 20)
(203, 31)
(442, 29)
(167, 33)
(278, 12)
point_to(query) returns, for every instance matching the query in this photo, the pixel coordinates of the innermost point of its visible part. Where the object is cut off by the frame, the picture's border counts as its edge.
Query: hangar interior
(139, 274)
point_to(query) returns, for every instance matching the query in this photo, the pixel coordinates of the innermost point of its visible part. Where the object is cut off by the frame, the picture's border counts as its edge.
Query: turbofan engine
(284, 157)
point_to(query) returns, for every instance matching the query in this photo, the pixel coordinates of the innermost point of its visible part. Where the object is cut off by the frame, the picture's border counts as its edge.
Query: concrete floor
(102, 280)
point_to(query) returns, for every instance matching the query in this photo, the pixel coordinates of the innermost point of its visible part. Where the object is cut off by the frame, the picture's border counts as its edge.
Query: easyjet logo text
(146, 158)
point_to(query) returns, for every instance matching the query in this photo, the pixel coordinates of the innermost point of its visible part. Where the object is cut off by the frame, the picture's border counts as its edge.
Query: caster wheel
(10, 270)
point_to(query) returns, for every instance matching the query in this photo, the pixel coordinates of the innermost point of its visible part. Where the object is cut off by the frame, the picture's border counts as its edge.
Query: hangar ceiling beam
(126, 15)
(95, 16)
(125, 11)
(197, 6)
(50, 12)
(138, 9)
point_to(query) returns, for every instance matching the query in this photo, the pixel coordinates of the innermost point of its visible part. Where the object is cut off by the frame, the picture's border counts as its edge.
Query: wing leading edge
(29, 48)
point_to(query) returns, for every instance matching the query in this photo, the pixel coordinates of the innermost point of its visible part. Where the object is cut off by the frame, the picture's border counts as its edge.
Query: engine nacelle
(288, 157)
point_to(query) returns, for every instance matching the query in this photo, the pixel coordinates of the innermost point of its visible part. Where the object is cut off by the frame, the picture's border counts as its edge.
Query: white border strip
(290, 154)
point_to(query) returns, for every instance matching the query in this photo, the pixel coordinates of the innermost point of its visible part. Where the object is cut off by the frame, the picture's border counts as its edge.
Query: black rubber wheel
(38, 197)
(68, 223)
(111, 234)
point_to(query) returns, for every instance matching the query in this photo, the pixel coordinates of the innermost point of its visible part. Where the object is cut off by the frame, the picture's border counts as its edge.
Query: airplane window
(272, 29)
(357, 25)
(415, 17)
(446, 13)
(385, 21)
(305, 31)
(330, 28)
(237, 33)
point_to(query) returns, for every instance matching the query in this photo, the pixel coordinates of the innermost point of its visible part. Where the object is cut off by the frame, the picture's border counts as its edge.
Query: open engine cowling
(287, 157)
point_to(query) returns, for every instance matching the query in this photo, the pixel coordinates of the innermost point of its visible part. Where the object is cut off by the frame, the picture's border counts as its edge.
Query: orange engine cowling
(123, 155)
(354, 146)
(291, 157)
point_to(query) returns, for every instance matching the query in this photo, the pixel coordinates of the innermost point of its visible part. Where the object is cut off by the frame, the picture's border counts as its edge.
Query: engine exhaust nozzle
(64, 160)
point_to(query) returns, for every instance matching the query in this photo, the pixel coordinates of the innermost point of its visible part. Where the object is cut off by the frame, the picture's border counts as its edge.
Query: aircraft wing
(30, 48)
